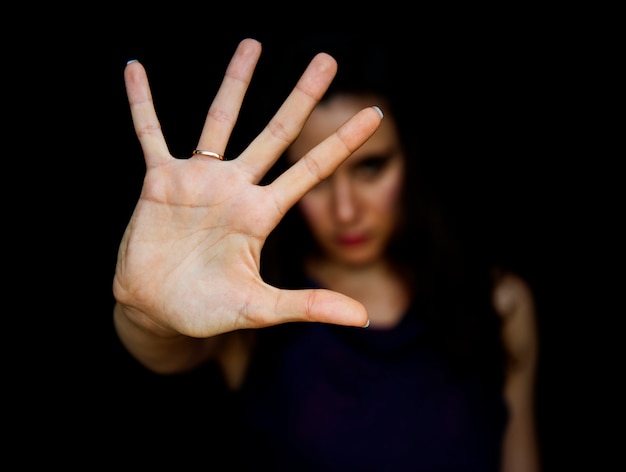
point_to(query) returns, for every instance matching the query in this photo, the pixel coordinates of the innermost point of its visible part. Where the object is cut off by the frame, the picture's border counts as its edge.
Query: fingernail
(131, 61)
(367, 324)
(380, 112)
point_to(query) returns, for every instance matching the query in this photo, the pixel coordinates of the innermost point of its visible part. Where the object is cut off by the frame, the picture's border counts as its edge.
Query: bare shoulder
(514, 301)
(511, 293)
(234, 356)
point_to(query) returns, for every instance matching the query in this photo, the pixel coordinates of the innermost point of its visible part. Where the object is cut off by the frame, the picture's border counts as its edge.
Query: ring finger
(225, 108)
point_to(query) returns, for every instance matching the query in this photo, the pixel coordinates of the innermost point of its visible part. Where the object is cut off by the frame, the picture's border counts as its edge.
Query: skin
(354, 213)
(187, 281)
(200, 223)
(188, 263)
(514, 302)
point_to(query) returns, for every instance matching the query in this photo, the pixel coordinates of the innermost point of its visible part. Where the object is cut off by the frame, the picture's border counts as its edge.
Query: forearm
(160, 353)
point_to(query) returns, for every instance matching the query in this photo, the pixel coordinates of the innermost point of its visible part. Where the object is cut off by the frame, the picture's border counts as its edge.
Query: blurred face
(354, 213)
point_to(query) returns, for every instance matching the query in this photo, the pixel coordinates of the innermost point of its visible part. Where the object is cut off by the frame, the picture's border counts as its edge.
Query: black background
(506, 150)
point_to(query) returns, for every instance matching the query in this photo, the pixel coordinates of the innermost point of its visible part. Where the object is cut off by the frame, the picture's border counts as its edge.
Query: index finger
(323, 159)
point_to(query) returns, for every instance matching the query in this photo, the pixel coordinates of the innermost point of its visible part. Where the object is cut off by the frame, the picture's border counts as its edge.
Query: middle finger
(288, 121)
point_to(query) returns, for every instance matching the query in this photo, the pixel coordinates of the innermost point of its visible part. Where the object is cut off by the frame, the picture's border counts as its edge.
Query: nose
(344, 199)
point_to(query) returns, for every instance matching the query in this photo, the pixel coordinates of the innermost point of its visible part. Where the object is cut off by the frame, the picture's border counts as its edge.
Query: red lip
(351, 240)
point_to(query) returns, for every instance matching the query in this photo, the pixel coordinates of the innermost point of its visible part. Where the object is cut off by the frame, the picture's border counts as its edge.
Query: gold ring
(208, 153)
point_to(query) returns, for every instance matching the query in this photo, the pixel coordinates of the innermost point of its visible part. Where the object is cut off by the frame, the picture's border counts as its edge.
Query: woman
(442, 377)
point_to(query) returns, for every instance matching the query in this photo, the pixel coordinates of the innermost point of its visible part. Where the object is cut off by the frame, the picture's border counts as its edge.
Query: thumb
(321, 305)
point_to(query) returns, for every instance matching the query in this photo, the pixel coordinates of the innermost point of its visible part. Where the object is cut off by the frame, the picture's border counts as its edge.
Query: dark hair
(451, 282)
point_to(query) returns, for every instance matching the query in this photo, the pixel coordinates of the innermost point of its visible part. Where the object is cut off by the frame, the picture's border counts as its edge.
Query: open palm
(189, 259)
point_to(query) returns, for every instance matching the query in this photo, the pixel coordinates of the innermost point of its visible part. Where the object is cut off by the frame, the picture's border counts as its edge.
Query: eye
(371, 167)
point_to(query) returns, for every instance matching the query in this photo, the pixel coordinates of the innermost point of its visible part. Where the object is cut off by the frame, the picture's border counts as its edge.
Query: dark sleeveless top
(322, 397)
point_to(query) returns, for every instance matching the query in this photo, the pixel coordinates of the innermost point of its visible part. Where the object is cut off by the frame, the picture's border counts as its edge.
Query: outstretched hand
(189, 259)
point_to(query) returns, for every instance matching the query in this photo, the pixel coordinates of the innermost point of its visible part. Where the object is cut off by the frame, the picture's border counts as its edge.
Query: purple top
(325, 397)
